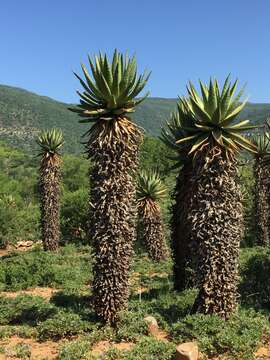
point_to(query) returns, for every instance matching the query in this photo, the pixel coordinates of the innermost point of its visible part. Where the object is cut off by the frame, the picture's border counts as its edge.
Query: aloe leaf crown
(111, 88)
(212, 119)
(150, 186)
(50, 141)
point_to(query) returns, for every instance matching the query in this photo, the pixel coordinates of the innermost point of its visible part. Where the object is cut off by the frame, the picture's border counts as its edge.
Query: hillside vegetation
(23, 114)
(64, 322)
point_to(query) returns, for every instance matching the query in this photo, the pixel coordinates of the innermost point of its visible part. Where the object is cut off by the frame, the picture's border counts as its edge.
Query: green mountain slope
(23, 114)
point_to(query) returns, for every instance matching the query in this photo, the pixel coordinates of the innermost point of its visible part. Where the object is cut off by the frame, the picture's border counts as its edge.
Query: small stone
(152, 325)
(187, 351)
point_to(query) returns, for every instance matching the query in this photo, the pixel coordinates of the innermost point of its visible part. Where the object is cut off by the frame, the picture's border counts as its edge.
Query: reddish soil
(44, 292)
(45, 350)
(4, 252)
(263, 353)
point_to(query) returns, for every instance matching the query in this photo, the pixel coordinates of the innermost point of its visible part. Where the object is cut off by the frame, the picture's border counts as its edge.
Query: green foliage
(74, 215)
(255, 285)
(63, 324)
(19, 206)
(74, 199)
(19, 209)
(24, 114)
(69, 312)
(50, 141)
(145, 349)
(210, 118)
(74, 350)
(24, 309)
(17, 221)
(150, 186)
(131, 326)
(23, 351)
(81, 348)
(261, 140)
(237, 337)
(38, 268)
(75, 173)
(23, 331)
(155, 154)
(112, 89)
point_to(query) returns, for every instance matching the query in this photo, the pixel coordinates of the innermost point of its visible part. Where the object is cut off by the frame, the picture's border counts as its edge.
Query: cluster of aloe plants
(206, 214)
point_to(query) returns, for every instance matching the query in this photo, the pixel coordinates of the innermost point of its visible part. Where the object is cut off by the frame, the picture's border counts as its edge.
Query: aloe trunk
(153, 231)
(262, 201)
(183, 250)
(217, 225)
(112, 215)
(50, 203)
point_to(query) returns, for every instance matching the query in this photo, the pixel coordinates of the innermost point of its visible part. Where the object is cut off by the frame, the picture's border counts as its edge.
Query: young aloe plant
(50, 143)
(109, 96)
(150, 190)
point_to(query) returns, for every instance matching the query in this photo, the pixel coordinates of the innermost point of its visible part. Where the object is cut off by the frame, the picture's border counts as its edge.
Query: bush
(23, 351)
(74, 215)
(131, 326)
(255, 270)
(17, 221)
(81, 349)
(62, 324)
(75, 350)
(39, 268)
(237, 337)
(24, 309)
(145, 349)
(22, 331)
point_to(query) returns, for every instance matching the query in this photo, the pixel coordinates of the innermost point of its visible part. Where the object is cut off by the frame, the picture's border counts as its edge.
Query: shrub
(146, 349)
(237, 337)
(18, 221)
(131, 326)
(75, 350)
(39, 268)
(255, 270)
(74, 215)
(23, 351)
(81, 349)
(62, 324)
(23, 331)
(24, 309)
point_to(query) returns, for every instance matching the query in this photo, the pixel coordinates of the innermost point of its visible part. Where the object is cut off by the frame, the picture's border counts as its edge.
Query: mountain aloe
(109, 95)
(183, 251)
(261, 170)
(50, 143)
(150, 191)
(216, 215)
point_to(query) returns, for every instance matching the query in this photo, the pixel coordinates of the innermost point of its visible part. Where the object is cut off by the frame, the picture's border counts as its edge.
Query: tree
(50, 142)
(112, 145)
(261, 172)
(216, 214)
(150, 191)
(183, 250)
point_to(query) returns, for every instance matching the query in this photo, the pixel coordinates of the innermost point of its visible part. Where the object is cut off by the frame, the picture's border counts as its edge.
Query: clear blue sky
(42, 41)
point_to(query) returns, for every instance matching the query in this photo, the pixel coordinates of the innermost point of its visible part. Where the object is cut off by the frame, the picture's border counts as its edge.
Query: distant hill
(23, 114)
